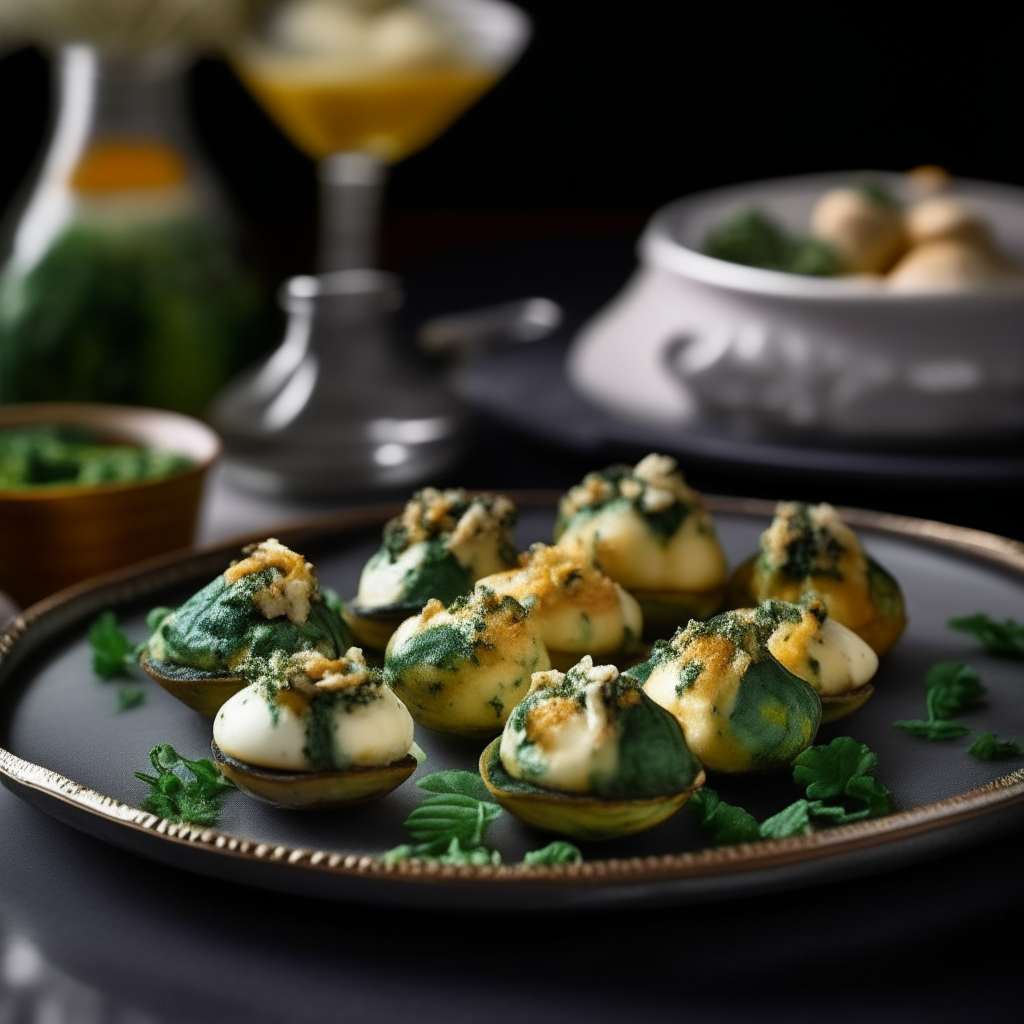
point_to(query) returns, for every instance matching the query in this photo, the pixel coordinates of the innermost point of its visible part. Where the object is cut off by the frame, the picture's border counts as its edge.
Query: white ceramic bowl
(693, 336)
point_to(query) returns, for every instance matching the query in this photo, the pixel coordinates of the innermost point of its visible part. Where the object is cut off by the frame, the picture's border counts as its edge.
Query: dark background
(614, 109)
(618, 107)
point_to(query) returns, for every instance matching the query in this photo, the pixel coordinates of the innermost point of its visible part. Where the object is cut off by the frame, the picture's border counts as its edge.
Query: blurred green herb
(113, 654)
(1005, 638)
(952, 688)
(129, 697)
(183, 790)
(988, 747)
(553, 855)
(753, 239)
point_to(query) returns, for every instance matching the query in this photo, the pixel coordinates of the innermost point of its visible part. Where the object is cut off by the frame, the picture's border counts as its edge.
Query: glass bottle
(121, 282)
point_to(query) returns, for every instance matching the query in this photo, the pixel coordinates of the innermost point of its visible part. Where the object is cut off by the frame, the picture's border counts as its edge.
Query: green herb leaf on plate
(1006, 638)
(838, 774)
(726, 823)
(988, 747)
(451, 781)
(554, 855)
(113, 654)
(932, 730)
(183, 790)
(952, 688)
(451, 816)
(129, 697)
(793, 820)
(826, 770)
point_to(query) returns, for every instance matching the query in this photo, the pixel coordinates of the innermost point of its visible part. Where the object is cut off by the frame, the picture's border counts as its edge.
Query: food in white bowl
(692, 337)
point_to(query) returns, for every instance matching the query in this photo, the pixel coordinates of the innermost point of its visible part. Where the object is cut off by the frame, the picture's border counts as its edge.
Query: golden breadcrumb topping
(289, 594)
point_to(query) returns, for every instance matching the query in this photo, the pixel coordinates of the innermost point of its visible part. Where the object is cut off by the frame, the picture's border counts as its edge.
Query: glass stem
(351, 195)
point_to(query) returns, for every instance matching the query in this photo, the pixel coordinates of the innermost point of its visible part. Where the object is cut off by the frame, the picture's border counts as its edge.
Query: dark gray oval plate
(70, 753)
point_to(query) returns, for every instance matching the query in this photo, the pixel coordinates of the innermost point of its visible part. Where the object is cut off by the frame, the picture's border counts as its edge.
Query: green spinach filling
(220, 630)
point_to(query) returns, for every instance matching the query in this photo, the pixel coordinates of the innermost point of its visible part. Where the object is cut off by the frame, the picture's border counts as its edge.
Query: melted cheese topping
(619, 541)
(573, 743)
(577, 608)
(838, 567)
(832, 658)
(291, 593)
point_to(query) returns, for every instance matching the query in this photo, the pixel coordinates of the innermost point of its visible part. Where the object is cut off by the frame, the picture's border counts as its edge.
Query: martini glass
(357, 85)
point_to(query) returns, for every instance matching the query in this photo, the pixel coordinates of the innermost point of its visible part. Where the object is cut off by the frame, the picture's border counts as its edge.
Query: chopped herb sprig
(183, 790)
(114, 656)
(952, 688)
(1003, 638)
(989, 747)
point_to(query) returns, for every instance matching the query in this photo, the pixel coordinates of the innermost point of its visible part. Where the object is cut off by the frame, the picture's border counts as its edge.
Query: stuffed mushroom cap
(808, 548)
(644, 527)
(319, 715)
(264, 607)
(577, 608)
(740, 708)
(592, 731)
(463, 668)
(441, 544)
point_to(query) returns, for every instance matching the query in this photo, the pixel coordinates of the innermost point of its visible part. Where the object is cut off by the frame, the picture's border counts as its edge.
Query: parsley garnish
(554, 854)
(952, 689)
(840, 789)
(839, 776)
(115, 656)
(1005, 638)
(988, 747)
(183, 790)
(449, 827)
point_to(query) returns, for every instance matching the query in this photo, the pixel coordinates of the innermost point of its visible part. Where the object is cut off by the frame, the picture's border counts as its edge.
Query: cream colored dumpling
(831, 657)
(575, 743)
(644, 527)
(619, 540)
(330, 715)
(463, 669)
(577, 608)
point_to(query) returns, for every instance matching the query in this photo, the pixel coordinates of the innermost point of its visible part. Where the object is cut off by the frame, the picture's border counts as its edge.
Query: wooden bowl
(55, 536)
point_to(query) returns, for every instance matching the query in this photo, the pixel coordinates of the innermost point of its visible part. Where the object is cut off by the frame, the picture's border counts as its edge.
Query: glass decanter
(121, 282)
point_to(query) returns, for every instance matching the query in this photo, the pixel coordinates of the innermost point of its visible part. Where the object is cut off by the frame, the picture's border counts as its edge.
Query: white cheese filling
(365, 735)
(574, 747)
(834, 660)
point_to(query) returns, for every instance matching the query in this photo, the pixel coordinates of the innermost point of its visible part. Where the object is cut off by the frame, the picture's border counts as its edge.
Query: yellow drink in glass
(386, 115)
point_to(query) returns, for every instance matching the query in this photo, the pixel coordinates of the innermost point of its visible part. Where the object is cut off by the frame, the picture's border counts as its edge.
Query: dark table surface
(93, 933)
